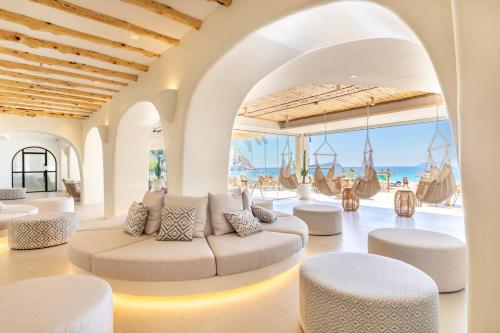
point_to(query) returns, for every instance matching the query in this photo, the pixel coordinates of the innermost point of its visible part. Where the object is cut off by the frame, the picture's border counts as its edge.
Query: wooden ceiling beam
(67, 49)
(36, 103)
(42, 88)
(39, 107)
(48, 99)
(34, 113)
(67, 64)
(226, 3)
(102, 18)
(166, 11)
(5, 88)
(58, 30)
(54, 81)
(45, 70)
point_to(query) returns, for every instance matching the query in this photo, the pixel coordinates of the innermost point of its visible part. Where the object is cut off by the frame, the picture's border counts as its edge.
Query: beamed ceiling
(310, 100)
(68, 58)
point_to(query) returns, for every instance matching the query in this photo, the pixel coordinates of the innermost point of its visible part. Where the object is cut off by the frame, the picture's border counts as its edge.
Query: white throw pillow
(136, 219)
(244, 222)
(200, 227)
(154, 203)
(219, 204)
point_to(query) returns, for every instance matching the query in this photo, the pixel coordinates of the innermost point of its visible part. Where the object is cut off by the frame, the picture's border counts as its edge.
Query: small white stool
(55, 205)
(365, 293)
(320, 219)
(57, 304)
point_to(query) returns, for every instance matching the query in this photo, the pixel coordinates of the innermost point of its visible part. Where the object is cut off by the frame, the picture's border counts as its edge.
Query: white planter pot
(304, 191)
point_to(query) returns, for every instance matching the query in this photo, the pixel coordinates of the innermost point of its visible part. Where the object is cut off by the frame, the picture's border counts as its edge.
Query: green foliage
(305, 170)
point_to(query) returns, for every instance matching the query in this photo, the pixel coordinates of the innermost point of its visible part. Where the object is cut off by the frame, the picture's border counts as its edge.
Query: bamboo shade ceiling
(316, 99)
(67, 58)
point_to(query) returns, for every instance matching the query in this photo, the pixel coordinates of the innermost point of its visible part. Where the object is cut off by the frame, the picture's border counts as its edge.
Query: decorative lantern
(404, 203)
(350, 202)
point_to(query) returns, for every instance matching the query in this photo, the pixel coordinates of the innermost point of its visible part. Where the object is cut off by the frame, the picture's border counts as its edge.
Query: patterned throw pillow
(263, 214)
(136, 219)
(177, 224)
(244, 222)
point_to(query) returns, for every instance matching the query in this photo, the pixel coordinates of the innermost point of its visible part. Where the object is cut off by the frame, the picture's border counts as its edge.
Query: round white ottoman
(12, 193)
(58, 304)
(441, 256)
(55, 205)
(9, 212)
(264, 203)
(320, 219)
(41, 230)
(355, 292)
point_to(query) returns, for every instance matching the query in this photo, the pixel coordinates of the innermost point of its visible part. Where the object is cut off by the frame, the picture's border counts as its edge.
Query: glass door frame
(45, 172)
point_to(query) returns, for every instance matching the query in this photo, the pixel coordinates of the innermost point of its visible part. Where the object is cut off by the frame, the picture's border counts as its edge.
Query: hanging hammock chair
(437, 184)
(287, 178)
(367, 185)
(329, 185)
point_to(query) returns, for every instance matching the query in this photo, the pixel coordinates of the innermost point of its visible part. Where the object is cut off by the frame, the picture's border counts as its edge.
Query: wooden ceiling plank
(67, 49)
(54, 81)
(48, 99)
(226, 3)
(40, 107)
(58, 30)
(167, 11)
(99, 17)
(67, 64)
(41, 87)
(20, 101)
(34, 113)
(45, 70)
(7, 88)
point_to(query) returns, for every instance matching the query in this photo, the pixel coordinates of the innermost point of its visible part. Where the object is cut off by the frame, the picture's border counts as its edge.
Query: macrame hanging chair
(437, 184)
(330, 184)
(287, 178)
(367, 185)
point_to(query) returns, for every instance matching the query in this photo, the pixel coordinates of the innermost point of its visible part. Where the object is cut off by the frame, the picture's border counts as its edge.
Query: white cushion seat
(235, 254)
(289, 224)
(55, 205)
(12, 193)
(441, 256)
(320, 219)
(10, 212)
(58, 304)
(355, 292)
(152, 260)
(85, 244)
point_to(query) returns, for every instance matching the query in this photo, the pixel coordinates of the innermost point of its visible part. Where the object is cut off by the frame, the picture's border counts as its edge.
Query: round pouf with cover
(41, 230)
(441, 256)
(55, 205)
(58, 304)
(366, 293)
(12, 193)
(320, 219)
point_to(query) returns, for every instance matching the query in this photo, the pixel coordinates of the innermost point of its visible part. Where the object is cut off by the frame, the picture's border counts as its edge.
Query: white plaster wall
(93, 169)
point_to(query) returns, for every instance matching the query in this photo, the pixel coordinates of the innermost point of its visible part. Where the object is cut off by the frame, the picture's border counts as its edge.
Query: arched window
(34, 168)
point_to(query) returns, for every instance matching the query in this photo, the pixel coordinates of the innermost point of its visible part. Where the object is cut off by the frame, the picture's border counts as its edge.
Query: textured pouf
(12, 193)
(320, 219)
(441, 256)
(55, 205)
(264, 203)
(41, 230)
(58, 304)
(366, 293)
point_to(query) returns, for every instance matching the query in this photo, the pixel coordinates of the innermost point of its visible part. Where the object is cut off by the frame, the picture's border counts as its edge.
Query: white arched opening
(93, 169)
(133, 144)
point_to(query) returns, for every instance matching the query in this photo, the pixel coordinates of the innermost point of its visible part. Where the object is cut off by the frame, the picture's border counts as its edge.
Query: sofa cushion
(152, 260)
(288, 224)
(246, 198)
(235, 254)
(264, 215)
(176, 224)
(201, 226)
(154, 202)
(84, 244)
(243, 222)
(136, 219)
(112, 223)
(222, 203)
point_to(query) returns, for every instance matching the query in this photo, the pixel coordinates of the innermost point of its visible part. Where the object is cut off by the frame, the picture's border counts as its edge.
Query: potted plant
(304, 187)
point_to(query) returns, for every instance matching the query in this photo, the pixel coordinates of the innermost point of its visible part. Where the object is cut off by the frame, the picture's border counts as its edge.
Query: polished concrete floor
(270, 307)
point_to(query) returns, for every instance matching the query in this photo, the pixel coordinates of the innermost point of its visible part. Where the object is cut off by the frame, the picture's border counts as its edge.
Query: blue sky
(403, 145)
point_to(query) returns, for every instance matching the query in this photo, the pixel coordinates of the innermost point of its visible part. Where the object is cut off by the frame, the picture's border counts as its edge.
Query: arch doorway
(34, 168)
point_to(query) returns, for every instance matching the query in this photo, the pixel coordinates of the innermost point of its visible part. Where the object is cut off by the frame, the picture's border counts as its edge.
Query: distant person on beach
(406, 183)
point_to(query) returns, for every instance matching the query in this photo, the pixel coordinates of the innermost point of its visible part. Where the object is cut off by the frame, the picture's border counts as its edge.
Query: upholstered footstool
(41, 230)
(264, 203)
(12, 193)
(365, 293)
(55, 205)
(320, 219)
(439, 255)
(58, 304)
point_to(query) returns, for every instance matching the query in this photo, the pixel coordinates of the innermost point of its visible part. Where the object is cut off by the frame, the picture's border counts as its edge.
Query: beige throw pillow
(223, 203)
(154, 203)
(200, 227)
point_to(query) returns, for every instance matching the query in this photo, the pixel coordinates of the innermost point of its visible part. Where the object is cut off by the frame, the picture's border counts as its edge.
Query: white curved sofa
(142, 265)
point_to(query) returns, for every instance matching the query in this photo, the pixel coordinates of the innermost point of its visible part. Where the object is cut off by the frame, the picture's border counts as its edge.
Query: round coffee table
(55, 205)
(10, 212)
(321, 220)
